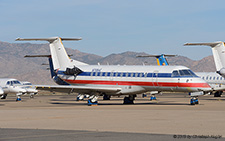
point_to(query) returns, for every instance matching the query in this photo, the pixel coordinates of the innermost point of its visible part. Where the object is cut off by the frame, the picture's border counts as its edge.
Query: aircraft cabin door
(155, 79)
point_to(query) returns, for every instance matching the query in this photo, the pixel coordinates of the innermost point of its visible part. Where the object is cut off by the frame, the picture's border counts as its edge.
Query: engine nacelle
(221, 72)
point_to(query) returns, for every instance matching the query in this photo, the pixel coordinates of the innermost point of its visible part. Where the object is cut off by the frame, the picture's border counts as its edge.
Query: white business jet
(215, 79)
(12, 86)
(117, 80)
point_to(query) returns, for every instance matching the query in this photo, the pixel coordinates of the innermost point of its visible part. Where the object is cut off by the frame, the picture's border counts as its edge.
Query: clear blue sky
(115, 26)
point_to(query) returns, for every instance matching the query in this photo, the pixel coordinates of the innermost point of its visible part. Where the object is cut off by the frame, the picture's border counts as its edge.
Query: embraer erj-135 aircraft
(216, 80)
(97, 80)
(13, 86)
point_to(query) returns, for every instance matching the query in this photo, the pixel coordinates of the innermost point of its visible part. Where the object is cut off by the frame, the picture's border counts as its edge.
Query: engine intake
(72, 71)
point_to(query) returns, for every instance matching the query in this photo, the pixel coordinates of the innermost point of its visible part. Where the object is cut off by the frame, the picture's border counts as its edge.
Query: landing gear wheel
(218, 94)
(90, 103)
(18, 99)
(93, 100)
(144, 95)
(106, 97)
(4, 96)
(152, 97)
(194, 101)
(127, 100)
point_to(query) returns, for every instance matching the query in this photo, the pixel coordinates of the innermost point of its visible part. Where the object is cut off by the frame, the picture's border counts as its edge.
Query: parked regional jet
(216, 80)
(96, 80)
(13, 86)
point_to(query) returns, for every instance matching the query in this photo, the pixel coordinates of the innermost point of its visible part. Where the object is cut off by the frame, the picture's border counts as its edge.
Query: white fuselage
(10, 85)
(136, 79)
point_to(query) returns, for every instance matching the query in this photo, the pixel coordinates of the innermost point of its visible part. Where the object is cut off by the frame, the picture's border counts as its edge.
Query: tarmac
(61, 117)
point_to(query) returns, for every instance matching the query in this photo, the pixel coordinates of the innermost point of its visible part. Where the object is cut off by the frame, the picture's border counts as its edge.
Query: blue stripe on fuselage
(126, 74)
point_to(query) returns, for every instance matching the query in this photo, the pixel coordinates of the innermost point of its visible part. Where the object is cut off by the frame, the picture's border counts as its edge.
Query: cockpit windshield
(187, 72)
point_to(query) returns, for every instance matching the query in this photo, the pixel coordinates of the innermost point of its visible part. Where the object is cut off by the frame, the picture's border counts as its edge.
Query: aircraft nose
(206, 86)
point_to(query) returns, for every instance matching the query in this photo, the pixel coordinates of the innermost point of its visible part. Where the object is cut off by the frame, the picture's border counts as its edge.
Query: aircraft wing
(220, 88)
(77, 89)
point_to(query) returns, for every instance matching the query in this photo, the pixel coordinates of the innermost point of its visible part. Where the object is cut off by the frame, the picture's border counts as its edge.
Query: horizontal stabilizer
(48, 39)
(37, 56)
(165, 55)
(42, 55)
(203, 44)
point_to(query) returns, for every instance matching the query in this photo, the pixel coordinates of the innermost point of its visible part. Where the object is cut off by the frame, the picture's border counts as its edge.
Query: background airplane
(117, 80)
(215, 79)
(13, 86)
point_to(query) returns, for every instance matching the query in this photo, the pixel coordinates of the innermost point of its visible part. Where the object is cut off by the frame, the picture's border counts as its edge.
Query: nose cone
(205, 86)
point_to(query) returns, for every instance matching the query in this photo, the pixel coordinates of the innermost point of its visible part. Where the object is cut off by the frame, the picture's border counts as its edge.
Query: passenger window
(203, 77)
(207, 78)
(214, 78)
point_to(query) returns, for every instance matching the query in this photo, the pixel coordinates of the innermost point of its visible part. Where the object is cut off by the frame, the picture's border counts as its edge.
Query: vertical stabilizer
(218, 50)
(60, 58)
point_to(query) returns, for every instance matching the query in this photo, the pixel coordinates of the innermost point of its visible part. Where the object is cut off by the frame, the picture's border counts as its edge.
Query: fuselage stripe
(136, 83)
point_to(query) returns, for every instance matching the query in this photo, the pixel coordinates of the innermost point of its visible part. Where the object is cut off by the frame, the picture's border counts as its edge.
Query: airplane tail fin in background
(59, 55)
(218, 49)
(161, 59)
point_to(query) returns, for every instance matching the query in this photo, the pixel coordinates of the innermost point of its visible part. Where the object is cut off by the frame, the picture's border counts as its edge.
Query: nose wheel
(18, 99)
(194, 100)
(152, 97)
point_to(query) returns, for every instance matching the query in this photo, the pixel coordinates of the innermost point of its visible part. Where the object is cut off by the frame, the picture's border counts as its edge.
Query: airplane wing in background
(77, 89)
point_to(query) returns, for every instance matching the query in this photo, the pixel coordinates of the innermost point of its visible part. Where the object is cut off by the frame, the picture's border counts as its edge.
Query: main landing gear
(4, 96)
(194, 100)
(152, 97)
(144, 95)
(218, 94)
(80, 97)
(129, 100)
(106, 97)
(19, 96)
(93, 100)
(18, 99)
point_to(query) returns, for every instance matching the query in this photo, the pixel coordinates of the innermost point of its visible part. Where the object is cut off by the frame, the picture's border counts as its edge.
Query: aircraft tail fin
(218, 49)
(161, 59)
(60, 58)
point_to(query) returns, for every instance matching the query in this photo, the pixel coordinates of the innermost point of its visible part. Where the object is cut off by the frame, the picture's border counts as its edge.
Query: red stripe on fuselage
(134, 83)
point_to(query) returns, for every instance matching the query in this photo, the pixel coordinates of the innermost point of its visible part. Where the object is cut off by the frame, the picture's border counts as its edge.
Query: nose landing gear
(194, 100)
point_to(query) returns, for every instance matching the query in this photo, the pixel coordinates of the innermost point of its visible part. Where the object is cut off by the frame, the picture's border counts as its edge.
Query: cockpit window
(8, 83)
(16, 83)
(175, 73)
(186, 72)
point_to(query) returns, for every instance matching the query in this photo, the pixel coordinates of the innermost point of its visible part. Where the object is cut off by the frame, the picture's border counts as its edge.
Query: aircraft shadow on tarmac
(220, 99)
(150, 103)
